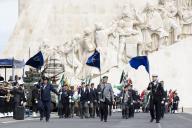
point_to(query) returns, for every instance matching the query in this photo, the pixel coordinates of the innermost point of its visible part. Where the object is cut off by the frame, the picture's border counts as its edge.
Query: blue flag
(94, 60)
(138, 61)
(36, 61)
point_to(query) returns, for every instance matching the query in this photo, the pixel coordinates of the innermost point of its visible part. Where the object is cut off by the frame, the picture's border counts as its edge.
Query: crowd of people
(12, 95)
(89, 100)
(169, 104)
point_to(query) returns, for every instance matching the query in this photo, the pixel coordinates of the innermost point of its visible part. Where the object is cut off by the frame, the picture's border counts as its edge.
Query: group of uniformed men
(91, 101)
(12, 95)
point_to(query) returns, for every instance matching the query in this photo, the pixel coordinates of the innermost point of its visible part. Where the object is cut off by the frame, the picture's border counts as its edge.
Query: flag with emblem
(37, 61)
(94, 60)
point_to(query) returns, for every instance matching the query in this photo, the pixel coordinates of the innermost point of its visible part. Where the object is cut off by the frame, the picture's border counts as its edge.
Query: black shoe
(47, 120)
(157, 121)
(41, 119)
(151, 120)
(105, 120)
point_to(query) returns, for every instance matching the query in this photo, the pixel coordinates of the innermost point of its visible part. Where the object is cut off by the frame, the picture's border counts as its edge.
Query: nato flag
(138, 61)
(94, 60)
(36, 61)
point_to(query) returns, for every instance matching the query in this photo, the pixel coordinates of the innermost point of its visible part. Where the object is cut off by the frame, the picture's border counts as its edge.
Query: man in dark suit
(155, 98)
(132, 100)
(71, 101)
(35, 98)
(65, 100)
(95, 100)
(45, 98)
(3, 93)
(83, 97)
(164, 100)
(19, 97)
(89, 101)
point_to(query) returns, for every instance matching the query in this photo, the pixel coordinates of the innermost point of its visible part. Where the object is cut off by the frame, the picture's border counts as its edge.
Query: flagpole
(73, 61)
(149, 72)
(149, 77)
(29, 53)
(100, 74)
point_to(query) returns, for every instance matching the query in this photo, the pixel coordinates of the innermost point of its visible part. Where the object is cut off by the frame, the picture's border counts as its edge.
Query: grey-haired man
(106, 98)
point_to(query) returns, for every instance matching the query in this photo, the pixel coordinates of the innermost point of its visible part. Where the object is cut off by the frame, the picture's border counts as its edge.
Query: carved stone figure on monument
(45, 49)
(184, 3)
(152, 28)
(62, 52)
(169, 15)
(71, 61)
(128, 35)
(86, 48)
(88, 43)
(185, 15)
(113, 38)
(106, 52)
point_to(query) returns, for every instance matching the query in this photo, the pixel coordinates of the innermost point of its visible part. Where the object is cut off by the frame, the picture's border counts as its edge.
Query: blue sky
(8, 18)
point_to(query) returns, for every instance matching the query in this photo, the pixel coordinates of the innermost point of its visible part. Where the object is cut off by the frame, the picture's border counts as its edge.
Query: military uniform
(175, 103)
(19, 97)
(71, 103)
(83, 98)
(126, 102)
(89, 102)
(95, 102)
(2, 101)
(132, 95)
(35, 97)
(45, 100)
(155, 100)
(163, 104)
(65, 102)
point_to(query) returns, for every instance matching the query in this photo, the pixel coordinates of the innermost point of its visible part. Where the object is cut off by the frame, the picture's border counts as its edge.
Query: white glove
(24, 104)
(21, 102)
(36, 101)
(88, 102)
(79, 95)
(121, 97)
(70, 97)
(60, 93)
(162, 102)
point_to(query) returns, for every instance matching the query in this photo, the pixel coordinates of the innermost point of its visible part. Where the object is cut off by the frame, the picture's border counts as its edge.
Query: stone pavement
(141, 120)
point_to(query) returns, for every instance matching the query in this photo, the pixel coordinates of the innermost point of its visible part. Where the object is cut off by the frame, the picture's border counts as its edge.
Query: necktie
(103, 92)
